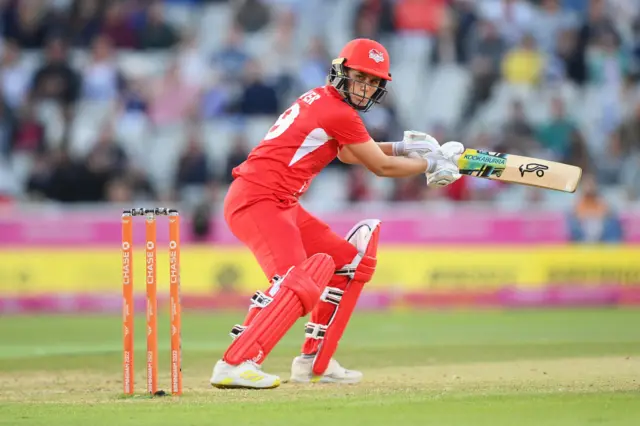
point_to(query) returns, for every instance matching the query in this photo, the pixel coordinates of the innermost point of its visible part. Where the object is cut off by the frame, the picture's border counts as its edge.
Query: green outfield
(564, 367)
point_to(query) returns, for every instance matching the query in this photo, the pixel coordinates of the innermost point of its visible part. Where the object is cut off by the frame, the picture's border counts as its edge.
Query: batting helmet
(363, 55)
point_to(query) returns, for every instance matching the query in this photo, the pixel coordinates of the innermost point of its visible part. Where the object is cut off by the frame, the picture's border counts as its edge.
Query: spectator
(569, 57)
(486, 44)
(38, 185)
(513, 18)
(607, 62)
(592, 220)
(134, 97)
(233, 57)
(84, 22)
(365, 27)
(382, 122)
(64, 179)
(56, 80)
(139, 184)
(579, 154)
(576, 6)
(156, 32)
(237, 155)
(193, 67)
(101, 78)
(258, 97)
(519, 132)
(27, 24)
(172, 99)
(630, 177)
(408, 189)
(280, 65)
(116, 26)
(487, 50)
(131, 111)
(419, 16)
(550, 22)
(15, 75)
(607, 66)
(107, 156)
(377, 13)
(313, 70)
(481, 190)
(87, 180)
(358, 185)
(119, 191)
(556, 134)
(522, 65)
(457, 191)
(608, 165)
(635, 47)
(201, 222)
(597, 23)
(29, 132)
(193, 166)
(467, 18)
(251, 15)
(7, 128)
(629, 133)
(623, 13)
(446, 49)
(216, 98)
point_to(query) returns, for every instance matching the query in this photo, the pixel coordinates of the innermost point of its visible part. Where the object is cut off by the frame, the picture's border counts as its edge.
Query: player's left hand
(415, 142)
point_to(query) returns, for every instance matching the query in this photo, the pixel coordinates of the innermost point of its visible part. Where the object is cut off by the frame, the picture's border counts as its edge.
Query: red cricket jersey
(302, 142)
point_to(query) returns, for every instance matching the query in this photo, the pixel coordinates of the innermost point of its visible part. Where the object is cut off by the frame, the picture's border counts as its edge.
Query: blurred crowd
(94, 91)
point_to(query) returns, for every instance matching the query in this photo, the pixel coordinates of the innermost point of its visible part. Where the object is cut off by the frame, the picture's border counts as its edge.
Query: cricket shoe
(301, 372)
(247, 375)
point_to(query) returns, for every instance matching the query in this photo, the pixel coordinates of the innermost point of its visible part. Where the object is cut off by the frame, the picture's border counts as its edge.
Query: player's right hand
(419, 142)
(415, 142)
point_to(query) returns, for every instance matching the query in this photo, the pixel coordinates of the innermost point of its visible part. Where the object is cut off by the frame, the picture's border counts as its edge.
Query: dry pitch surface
(578, 367)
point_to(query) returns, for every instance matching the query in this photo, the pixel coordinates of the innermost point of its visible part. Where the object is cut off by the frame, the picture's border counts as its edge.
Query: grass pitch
(561, 367)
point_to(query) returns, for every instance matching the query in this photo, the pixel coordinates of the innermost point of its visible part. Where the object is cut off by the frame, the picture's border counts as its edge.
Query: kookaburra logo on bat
(533, 167)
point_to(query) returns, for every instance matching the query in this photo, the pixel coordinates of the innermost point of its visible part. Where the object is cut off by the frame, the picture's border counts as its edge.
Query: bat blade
(521, 170)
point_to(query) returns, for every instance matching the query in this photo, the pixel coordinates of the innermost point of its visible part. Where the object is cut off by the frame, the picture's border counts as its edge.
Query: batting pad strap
(332, 295)
(260, 300)
(237, 330)
(315, 331)
(348, 270)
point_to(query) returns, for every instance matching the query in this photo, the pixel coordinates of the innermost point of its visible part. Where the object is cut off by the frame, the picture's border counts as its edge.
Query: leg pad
(297, 295)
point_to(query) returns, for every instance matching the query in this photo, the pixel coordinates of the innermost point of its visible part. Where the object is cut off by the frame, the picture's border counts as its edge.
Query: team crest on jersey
(376, 55)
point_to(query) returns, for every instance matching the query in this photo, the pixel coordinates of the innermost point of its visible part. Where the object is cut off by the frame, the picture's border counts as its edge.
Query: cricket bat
(520, 170)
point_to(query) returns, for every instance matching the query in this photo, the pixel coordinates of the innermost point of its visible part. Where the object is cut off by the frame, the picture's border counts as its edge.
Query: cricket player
(311, 269)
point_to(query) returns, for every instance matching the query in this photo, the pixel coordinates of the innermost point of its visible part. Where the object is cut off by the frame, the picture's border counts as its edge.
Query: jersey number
(284, 121)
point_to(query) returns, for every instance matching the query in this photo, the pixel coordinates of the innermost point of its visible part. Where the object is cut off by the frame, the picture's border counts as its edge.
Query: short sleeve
(347, 129)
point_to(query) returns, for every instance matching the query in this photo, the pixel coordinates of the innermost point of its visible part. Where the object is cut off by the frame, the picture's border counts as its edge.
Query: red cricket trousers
(278, 231)
(282, 234)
